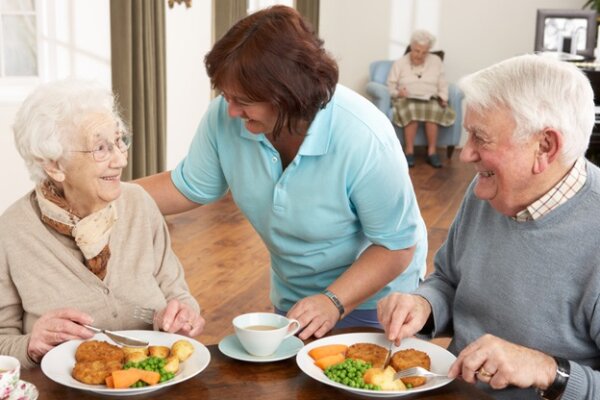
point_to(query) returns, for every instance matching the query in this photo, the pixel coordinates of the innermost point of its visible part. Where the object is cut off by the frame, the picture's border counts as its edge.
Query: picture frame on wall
(566, 31)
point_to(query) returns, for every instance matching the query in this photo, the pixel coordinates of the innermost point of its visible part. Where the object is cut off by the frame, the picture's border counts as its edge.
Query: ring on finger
(482, 372)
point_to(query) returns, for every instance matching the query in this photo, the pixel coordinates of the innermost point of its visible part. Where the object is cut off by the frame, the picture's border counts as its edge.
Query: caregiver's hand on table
(316, 314)
(500, 363)
(402, 315)
(56, 327)
(178, 317)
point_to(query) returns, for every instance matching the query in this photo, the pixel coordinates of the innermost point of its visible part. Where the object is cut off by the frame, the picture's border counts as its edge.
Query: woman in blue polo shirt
(315, 167)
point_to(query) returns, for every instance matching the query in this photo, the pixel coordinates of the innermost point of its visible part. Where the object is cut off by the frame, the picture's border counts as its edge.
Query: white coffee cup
(261, 333)
(10, 372)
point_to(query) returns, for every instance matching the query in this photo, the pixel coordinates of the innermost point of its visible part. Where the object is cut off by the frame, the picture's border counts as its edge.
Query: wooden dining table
(226, 378)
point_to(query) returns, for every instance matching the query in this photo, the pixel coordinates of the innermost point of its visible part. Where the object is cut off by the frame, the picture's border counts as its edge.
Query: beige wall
(188, 88)
(474, 33)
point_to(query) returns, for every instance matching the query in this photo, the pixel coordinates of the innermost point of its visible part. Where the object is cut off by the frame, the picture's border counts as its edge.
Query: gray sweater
(533, 283)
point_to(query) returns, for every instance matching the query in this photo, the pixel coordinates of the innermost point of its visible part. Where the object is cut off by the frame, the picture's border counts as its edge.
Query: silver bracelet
(336, 302)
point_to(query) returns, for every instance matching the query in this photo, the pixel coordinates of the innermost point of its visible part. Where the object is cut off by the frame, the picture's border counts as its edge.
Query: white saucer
(231, 347)
(24, 391)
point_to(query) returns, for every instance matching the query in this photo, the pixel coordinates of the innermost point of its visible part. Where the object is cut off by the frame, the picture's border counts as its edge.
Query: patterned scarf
(91, 233)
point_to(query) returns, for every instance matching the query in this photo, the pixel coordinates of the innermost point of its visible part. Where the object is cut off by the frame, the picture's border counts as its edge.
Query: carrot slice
(123, 378)
(328, 350)
(150, 377)
(328, 361)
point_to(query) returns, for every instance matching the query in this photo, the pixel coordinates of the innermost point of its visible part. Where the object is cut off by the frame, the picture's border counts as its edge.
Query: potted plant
(593, 4)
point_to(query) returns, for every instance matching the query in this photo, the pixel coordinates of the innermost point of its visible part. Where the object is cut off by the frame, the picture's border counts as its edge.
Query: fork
(145, 314)
(417, 371)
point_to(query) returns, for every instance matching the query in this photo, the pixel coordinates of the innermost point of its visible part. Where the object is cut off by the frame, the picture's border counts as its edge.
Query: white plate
(231, 347)
(441, 359)
(58, 363)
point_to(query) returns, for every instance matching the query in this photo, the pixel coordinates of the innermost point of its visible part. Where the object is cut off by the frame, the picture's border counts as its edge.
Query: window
(18, 39)
(19, 49)
(44, 40)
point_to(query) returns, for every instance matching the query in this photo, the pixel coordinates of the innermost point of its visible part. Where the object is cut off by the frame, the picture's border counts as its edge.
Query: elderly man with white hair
(517, 282)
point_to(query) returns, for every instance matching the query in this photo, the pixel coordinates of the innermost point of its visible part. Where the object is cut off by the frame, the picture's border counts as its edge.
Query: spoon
(118, 338)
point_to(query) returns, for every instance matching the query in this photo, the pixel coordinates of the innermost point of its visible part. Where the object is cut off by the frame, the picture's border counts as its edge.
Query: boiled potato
(383, 378)
(182, 349)
(172, 364)
(158, 351)
(136, 357)
(129, 350)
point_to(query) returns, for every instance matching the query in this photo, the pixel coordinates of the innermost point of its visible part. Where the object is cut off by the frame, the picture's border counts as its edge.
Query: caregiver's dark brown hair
(275, 56)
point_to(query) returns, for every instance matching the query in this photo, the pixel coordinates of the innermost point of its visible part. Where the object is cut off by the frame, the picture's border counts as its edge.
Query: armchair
(380, 96)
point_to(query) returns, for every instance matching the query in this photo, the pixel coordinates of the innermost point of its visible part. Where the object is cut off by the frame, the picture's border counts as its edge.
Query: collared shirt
(347, 188)
(559, 194)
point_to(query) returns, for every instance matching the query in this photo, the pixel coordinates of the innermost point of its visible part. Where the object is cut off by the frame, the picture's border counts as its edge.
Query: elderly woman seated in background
(82, 247)
(420, 94)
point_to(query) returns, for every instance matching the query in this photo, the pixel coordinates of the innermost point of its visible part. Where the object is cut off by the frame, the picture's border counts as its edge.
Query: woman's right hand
(403, 92)
(56, 327)
(402, 315)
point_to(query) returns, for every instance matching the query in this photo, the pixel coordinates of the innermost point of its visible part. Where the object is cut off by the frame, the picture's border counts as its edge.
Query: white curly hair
(52, 115)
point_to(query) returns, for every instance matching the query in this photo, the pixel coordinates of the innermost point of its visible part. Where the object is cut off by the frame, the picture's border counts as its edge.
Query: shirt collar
(559, 194)
(319, 132)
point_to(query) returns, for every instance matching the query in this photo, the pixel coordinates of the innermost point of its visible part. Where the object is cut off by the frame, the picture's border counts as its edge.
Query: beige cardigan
(431, 83)
(42, 270)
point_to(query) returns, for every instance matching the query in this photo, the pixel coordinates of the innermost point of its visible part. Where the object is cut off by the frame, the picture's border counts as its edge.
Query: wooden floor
(227, 265)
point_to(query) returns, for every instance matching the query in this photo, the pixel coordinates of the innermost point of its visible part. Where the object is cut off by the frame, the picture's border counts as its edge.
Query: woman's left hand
(499, 363)
(178, 317)
(316, 314)
(443, 103)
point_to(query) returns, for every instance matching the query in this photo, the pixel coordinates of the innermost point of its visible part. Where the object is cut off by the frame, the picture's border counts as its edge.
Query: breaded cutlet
(368, 352)
(94, 350)
(94, 372)
(409, 358)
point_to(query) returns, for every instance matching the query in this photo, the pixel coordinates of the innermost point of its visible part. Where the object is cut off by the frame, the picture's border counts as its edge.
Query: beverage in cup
(261, 333)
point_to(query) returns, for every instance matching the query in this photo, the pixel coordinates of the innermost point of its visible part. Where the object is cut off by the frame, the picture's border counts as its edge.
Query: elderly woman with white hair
(517, 282)
(419, 93)
(82, 247)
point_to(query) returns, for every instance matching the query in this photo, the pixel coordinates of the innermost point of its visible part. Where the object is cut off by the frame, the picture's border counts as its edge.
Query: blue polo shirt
(347, 188)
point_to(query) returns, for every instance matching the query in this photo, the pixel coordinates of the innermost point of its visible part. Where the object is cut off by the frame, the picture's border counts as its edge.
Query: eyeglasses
(104, 149)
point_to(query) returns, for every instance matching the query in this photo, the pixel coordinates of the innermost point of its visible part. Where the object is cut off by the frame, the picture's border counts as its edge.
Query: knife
(118, 338)
(389, 355)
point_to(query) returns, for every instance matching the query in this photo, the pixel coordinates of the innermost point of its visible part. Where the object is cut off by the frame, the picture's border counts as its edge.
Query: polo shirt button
(106, 290)
(115, 314)
(274, 159)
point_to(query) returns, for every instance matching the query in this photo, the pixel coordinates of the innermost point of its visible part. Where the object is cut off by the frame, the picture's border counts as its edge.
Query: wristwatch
(336, 302)
(556, 389)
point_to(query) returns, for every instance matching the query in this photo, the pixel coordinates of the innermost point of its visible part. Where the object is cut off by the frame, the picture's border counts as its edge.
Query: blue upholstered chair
(380, 96)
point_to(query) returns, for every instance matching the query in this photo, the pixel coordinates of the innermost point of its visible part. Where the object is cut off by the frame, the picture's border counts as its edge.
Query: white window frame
(13, 90)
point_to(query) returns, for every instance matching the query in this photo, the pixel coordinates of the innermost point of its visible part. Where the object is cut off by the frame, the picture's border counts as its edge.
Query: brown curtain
(309, 10)
(227, 13)
(139, 80)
